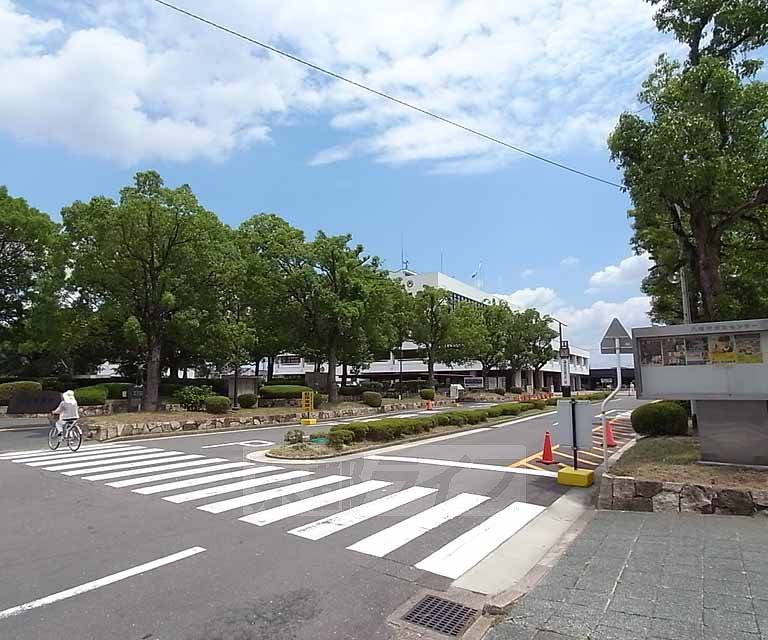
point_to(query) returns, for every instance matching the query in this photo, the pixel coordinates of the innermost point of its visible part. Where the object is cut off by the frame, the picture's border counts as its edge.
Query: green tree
(432, 327)
(529, 341)
(154, 255)
(697, 172)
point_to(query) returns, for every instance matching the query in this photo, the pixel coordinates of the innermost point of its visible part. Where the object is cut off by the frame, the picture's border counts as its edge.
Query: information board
(307, 400)
(715, 361)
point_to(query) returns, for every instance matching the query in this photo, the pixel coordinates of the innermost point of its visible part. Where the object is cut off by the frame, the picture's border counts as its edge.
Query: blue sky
(111, 88)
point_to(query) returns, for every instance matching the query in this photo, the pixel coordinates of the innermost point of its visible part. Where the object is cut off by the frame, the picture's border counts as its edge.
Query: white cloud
(527, 273)
(628, 273)
(131, 81)
(542, 298)
(569, 261)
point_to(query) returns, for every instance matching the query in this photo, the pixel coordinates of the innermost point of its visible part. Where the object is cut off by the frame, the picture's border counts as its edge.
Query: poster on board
(722, 349)
(748, 349)
(673, 351)
(696, 351)
(650, 352)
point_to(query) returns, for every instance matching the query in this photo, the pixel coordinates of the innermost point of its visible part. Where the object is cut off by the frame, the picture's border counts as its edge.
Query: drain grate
(439, 614)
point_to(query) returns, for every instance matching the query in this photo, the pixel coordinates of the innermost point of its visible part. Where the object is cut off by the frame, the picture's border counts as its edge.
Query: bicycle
(71, 432)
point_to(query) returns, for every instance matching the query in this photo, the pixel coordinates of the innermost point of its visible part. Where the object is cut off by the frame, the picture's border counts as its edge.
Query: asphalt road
(144, 540)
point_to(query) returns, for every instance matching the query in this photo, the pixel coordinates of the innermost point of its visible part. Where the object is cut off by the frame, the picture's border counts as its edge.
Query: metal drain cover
(441, 615)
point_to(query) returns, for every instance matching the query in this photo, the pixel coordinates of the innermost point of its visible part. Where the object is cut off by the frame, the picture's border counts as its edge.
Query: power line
(381, 94)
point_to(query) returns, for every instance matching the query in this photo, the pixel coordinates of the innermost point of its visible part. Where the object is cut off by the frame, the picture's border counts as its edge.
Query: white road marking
(50, 458)
(271, 494)
(463, 553)
(387, 540)
(244, 443)
(315, 502)
(133, 469)
(101, 582)
(235, 486)
(161, 453)
(131, 482)
(340, 521)
(466, 465)
(195, 482)
(6, 455)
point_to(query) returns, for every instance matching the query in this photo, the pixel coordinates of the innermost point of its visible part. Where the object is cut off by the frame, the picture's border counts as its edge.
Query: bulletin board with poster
(714, 360)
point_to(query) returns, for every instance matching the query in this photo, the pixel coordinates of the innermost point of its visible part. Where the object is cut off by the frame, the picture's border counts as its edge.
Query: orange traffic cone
(609, 439)
(429, 405)
(546, 454)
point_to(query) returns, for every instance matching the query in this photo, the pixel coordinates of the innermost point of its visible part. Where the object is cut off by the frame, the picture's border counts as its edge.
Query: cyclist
(67, 411)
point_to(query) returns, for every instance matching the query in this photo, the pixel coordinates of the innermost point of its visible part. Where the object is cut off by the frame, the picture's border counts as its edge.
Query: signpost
(307, 406)
(574, 425)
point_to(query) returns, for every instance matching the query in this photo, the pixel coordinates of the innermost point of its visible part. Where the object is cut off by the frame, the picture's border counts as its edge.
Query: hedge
(10, 388)
(279, 391)
(340, 437)
(294, 436)
(193, 398)
(115, 389)
(91, 396)
(372, 398)
(371, 386)
(246, 400)
(665, 418)
(217, 404)
(350, 390)
(427, 394)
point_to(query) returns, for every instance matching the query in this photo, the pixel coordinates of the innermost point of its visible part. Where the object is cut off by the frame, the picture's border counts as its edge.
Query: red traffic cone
(609, 439)
(546, 454)
(430, 405)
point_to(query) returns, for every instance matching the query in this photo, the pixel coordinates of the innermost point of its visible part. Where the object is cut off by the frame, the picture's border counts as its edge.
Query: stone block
(697, 499)
(760, 498)
(666, 501)
(647, 488)
(633, 504)
(677, 487)
(623, 488)
(733, 501)
(605, 497)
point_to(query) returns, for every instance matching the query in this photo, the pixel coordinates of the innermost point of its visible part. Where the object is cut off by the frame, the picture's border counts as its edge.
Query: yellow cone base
(571, 477)
(308, 421)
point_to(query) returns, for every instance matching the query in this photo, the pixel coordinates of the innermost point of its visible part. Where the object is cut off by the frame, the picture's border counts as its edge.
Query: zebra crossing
(274, 494)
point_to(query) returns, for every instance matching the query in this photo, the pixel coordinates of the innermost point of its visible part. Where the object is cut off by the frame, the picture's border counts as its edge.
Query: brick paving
(654, 576)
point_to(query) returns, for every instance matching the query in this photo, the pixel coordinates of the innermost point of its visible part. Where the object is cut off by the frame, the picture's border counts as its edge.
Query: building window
(286, 360)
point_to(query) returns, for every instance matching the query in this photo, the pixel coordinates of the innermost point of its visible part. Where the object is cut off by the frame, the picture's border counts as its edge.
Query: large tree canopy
(697, 170)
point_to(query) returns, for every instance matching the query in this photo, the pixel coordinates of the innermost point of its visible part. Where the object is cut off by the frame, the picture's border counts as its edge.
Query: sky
(97, 90)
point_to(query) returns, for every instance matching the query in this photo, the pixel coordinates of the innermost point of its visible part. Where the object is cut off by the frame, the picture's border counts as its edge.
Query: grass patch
(673, 459)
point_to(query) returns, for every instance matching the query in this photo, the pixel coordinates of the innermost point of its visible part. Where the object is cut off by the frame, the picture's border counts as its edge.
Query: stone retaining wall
(624, 493)
(102, 432)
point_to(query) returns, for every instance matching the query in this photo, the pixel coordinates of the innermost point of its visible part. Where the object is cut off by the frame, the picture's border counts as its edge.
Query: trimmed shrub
(360, 431)
(318, 400)
(294, 436)
(372, 398)
(379, 432)
(427, 394)
(193, 398)
(246, 400)
(371, 386)
(539, 404)
(115, 389)
(55, 384)
(10, 388)
(551, 402)
(340, 437)
(91, 396)
(443, 419)
(517, 390)
(495, 412)
(665, 418)
(511, 409)
(500, 391)
(350, 390)
(280, 391)
(217, 404)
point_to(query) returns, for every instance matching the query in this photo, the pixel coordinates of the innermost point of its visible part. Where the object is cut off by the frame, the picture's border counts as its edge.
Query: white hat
(69, 396)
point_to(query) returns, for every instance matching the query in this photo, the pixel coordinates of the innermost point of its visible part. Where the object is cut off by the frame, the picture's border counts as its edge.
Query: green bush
(516, 390)
(217, 404)
(371, 386)
(526, 406)
(169, 389)
(318, 400)
(372, 398)
(350, 390)
(443, 419)
(665, 418)
(246, 400)
(294, 436)
(55, 384)
(511, 409)
(427, 394)
(539, 404)
(495, 412)
(193, 398)
(91, 396)
(500, 391)
(115, 389)
(340, 437)
(551, 402)
(281, 391)
(380, 433)
(360, 430)
(10, 388)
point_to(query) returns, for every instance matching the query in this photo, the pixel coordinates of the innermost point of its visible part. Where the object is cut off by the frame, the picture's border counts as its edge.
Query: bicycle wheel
(54, 439)
(74, 438)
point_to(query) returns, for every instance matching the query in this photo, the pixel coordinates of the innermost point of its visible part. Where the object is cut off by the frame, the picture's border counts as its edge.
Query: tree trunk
(708, 246)
(509, 376)
(486, 371)
(333, 389)
(186, 372)
(270, 368)
(430, 370)
(152, 375)
(344, 374)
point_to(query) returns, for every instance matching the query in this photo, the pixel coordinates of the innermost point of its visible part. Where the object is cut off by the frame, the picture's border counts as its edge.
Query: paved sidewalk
(644, 576)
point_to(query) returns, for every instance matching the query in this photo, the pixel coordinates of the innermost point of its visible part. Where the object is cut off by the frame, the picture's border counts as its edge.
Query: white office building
(412, 364)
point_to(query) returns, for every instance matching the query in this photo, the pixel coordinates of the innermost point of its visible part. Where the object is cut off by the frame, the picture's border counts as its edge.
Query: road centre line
(464, 465)
(101, 582)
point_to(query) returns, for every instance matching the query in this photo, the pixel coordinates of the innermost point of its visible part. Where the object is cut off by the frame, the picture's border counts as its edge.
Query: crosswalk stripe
(7, 455)
(235, 486)
(132, 482)
(195, 482)
(75, 456)
(394, 537)
(461, 554)
(161, 453)
(315, 502)
(131, 465)
(271, 494)
(355, 515)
